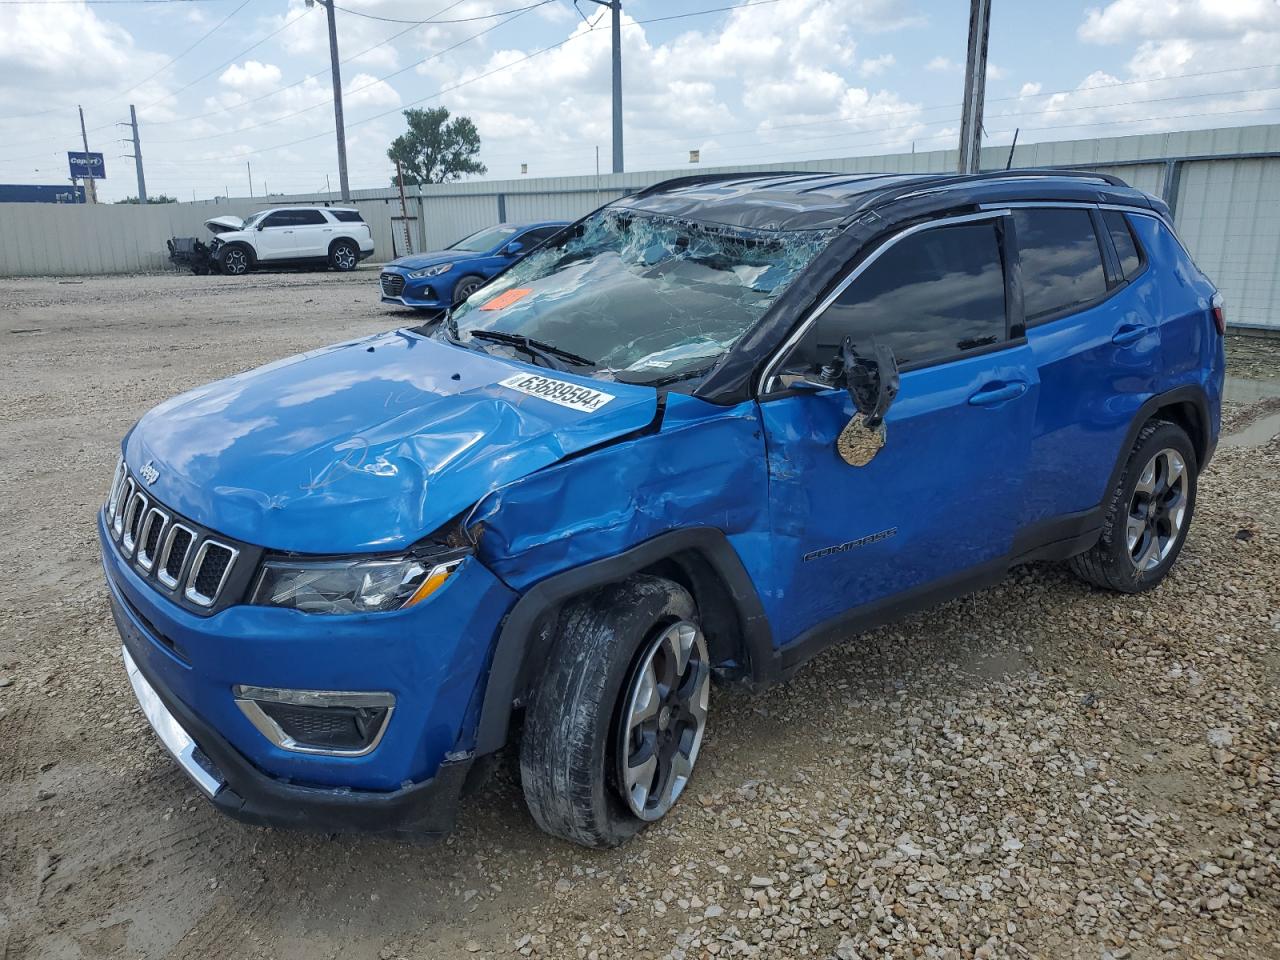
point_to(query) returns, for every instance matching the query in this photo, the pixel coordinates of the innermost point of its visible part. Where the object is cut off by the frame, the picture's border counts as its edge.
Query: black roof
(817, 201)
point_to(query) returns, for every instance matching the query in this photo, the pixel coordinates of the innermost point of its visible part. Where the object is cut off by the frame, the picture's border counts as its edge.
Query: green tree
(162, 198)
(436, 149)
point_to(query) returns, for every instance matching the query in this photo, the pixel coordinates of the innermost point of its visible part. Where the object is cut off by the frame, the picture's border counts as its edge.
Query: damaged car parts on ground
(705, 431)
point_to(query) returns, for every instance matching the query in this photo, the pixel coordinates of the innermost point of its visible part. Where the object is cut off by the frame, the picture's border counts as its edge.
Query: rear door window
(1122, 238)
(348, 216)
(1061, 261)
(932, 296)
(308, 218)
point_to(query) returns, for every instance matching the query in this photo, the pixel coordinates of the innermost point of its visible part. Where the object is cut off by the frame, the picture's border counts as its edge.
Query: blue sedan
(436, 281)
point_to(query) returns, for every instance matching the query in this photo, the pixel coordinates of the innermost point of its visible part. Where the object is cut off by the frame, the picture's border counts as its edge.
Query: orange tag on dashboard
(507, 298)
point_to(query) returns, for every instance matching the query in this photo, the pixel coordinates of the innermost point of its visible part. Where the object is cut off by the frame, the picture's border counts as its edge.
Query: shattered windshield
(484, 240)
(637, 297)
(253, 220)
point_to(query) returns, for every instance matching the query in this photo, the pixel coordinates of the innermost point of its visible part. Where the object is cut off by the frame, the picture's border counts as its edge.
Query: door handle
(998, 391)
(1129, 333)
(286, 231)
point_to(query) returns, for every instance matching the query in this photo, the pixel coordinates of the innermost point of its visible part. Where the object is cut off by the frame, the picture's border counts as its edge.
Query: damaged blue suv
(708, 429)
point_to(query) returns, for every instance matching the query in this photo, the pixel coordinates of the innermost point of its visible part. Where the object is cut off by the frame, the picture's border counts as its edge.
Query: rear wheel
(344, 256)
(1149, 514)
(615, 727)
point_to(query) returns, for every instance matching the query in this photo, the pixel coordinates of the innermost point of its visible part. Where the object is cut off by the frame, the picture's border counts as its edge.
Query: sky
(228, 89)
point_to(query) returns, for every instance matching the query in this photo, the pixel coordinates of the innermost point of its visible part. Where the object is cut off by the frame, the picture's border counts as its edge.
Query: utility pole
(137, 154)
(336, 72)
(615, 6)
(90, 187)
(975, 87)
(249, 166)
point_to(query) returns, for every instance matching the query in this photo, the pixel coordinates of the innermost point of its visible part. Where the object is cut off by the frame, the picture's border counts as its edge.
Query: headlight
(352, 585)
(435, 271)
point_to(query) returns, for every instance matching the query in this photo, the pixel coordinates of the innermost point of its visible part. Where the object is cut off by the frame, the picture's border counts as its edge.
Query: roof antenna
(1008, 163)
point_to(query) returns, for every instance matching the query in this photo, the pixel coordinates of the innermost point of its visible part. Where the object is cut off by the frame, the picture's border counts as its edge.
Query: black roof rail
(694, 179)
(936, 181)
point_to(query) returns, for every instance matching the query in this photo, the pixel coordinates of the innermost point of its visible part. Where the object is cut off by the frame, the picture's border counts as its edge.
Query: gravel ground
(1040, 770)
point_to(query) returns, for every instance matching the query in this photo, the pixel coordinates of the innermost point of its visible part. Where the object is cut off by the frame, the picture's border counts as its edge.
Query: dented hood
(225, 224)
(369, 445)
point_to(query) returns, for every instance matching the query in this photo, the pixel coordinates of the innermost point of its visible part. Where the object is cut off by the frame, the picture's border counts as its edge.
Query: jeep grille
(165, 549)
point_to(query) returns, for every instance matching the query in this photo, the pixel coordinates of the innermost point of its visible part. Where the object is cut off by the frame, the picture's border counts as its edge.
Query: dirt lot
(1038, 770)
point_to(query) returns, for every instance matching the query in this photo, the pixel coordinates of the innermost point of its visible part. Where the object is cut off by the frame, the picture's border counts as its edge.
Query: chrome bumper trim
(176, 740)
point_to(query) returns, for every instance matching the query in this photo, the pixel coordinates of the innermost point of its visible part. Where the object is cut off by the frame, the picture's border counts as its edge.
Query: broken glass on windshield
(645, 298)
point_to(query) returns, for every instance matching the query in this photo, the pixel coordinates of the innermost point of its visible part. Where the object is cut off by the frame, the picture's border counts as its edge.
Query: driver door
(277, 237)
(936, 507)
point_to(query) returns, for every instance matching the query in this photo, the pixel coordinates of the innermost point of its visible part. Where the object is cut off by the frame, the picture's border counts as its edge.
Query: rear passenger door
(1096, 344)
(312, 233)
(937, 507)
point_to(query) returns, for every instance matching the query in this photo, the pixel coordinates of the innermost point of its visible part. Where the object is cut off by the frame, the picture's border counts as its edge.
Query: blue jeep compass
(708, 429)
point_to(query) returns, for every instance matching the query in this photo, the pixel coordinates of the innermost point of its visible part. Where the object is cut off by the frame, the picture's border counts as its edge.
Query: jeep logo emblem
(149, 473)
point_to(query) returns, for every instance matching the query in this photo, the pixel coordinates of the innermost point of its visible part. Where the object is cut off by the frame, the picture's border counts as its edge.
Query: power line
(419, 23)
(203, 37)
(519, 12)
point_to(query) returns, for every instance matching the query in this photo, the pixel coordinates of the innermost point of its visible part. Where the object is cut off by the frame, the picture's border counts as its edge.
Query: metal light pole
(336, 71)
(975, 87)
(615, 6)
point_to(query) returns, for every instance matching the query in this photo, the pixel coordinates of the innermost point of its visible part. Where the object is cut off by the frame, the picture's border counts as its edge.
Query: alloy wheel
(465, 289)
(344, 257)
(1157, 510)
(663, 720)
(235, 262)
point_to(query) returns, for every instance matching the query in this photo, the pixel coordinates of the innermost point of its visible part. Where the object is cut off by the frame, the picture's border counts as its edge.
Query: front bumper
(427, 293)
(434, 658)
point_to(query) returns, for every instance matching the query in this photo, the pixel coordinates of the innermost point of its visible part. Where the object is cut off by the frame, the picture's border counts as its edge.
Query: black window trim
(1105, 247)
(1143, 262)
(765, 384)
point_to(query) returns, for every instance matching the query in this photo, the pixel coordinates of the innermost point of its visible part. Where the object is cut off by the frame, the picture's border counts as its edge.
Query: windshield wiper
(547, 352)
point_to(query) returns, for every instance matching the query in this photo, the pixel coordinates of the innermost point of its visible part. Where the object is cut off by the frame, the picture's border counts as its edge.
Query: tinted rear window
(1061, 260)
(1126, 246)
(931, 296)
(348, 216)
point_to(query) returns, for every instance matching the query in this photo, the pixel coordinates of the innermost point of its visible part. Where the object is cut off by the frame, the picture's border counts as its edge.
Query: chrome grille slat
(117, 515)
(392, 284)
(171, 580)
(133, 513)
(205, 556)
(147, 558)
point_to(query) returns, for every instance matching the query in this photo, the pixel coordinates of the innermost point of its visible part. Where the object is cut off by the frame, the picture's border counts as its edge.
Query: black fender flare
(517, 637)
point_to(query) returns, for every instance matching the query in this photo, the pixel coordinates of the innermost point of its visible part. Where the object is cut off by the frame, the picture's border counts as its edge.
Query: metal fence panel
(1228, 215)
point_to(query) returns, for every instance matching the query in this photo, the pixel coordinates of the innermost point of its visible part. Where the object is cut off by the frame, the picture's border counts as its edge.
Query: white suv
(336, 237)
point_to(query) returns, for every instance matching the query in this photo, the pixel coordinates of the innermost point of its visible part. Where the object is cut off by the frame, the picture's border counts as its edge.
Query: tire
(604, 668)
(1149, 514)
(465, 287)
(237, 261)
(344, 256)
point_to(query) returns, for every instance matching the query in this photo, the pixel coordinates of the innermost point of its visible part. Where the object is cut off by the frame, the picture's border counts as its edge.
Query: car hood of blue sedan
(369, 445)
(420, 260)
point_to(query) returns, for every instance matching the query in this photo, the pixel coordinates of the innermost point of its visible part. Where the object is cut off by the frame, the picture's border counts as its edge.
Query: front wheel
(615, 727)
(1149, 514)
(343, 256)
(465, 287)
(235, 262)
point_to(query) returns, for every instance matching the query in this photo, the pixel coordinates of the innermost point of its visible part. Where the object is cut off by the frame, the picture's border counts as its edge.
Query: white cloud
(1030, 89)
(1126, 20)
(251, 77)
(941, 64)
(876, 65)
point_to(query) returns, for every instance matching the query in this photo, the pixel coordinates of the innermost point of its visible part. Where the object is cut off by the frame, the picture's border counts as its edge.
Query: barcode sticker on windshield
(558, 391)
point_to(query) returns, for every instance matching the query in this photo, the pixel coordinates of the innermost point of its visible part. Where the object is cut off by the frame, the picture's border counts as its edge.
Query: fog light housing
(334, 723)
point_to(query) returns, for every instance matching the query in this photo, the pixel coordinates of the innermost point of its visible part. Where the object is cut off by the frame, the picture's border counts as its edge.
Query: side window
(1124, 242)
(281, 218)
(1061, 260)
(308, 218)
(535, 237)
(929, 297)
(347, 216)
